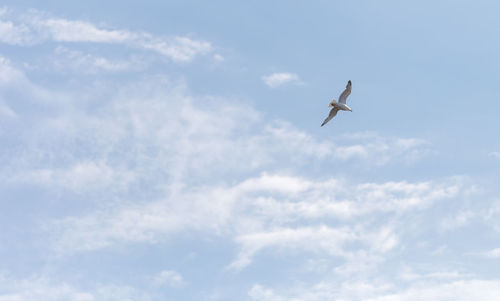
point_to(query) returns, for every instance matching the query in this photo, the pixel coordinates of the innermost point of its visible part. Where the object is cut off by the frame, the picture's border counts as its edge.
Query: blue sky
(173, 150)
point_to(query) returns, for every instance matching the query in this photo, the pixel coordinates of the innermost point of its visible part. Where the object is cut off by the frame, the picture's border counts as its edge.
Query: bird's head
(349, 83)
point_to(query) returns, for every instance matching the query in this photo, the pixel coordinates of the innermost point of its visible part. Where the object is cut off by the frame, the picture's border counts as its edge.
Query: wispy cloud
(459, 220)
(322, 238)
(6, 111)
(180, 49)
(63, 30)
(494, 253)
(14, 34)
(70, 60)
(83, 176)
(38, 27)
(271, 203)
(14, 80)
(126, 142)
(280, 79)
(169, 278)
(495, 155)
(104, 167)
(9, 75)
(43, 288)
(210, 135)
(167, 166)
(462, 290)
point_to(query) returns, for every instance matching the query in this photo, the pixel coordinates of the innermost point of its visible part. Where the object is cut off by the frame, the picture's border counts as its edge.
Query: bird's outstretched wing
(332, 114)
(347, 92)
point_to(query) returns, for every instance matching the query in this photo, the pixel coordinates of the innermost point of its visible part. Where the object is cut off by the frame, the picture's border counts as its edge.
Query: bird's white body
(339, 105)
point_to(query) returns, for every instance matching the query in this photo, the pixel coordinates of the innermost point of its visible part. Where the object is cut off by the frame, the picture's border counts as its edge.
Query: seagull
(340, 105)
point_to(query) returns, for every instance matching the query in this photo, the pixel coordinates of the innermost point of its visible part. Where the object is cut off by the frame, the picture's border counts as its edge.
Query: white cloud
(170, 163)
(170, 278)
(491, 215)
(494, 155)
(151, 139)
(37, 27)
(372, 148)
(279, 79)
(9, 75)
(410, 275)
(14, 34)
(386, 148)
(42, 288)
(274, 183)
(322, 291)
(322, 239)
(459, 220)
(14, 79)
(6, 111)
(66, 59)
(62, 30)
(167, 166)
(83, 176)
(258, 214)
(180, 49)
(194, 138)
(494, 253)
(260, 293)
(218, 57)
(460, 290)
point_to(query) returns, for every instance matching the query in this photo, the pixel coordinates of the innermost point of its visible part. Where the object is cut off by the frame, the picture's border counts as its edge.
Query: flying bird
(340, 105)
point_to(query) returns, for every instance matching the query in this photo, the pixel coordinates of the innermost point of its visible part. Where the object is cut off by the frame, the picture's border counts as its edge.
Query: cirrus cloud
(280, 79)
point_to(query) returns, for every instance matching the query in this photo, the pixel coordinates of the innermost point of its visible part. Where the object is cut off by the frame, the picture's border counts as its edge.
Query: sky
(172, 150)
